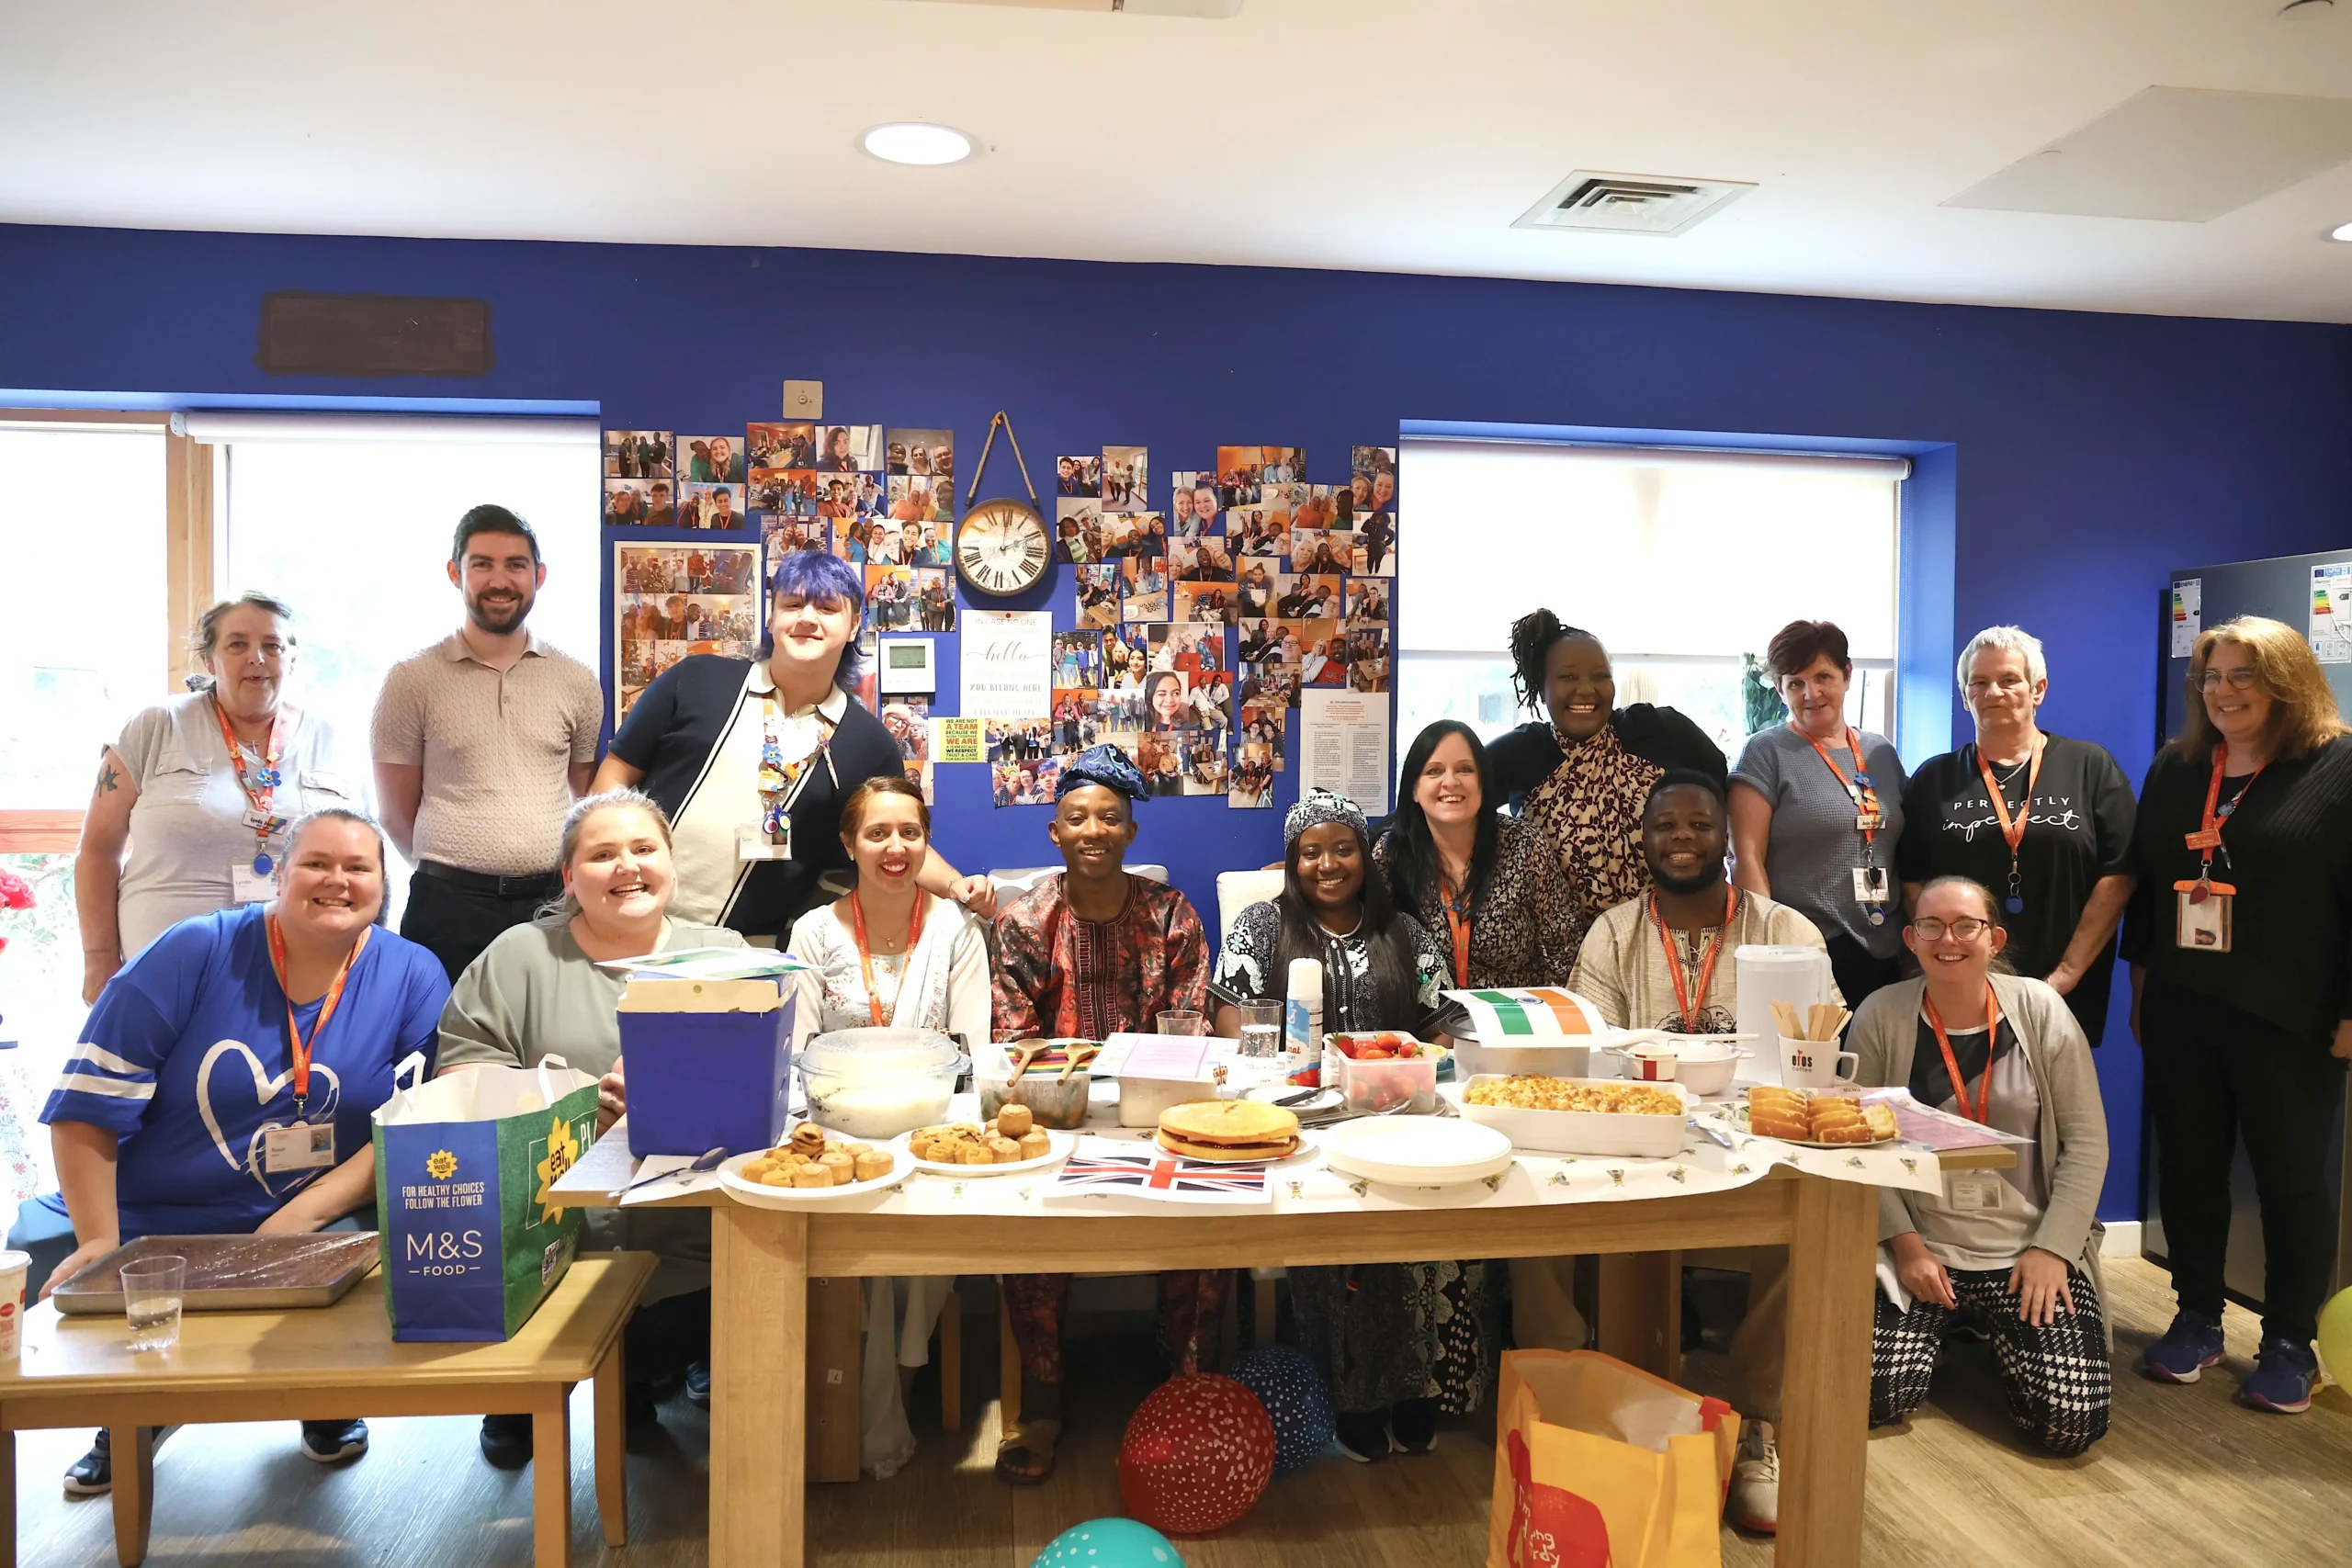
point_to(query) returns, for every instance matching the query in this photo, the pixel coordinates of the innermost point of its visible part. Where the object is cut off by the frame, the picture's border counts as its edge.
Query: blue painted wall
(2092, 452)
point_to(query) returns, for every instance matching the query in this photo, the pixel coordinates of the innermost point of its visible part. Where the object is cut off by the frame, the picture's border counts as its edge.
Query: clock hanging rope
(1003, 548)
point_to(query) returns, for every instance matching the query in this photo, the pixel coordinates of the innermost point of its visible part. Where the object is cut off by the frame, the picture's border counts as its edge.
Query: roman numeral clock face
(1002, 548)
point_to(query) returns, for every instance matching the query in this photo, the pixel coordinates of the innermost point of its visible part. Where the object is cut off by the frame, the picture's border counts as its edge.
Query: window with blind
(1684, 563)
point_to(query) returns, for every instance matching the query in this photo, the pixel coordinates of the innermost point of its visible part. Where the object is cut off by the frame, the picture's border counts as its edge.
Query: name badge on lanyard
(758, 841)
(2202, 914)
(306, 1146)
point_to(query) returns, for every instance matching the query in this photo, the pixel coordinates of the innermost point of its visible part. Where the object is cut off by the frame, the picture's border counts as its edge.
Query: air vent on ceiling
(1631, 204)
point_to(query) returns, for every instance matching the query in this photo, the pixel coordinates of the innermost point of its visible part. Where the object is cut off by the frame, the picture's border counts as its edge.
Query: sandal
(1028, 1460)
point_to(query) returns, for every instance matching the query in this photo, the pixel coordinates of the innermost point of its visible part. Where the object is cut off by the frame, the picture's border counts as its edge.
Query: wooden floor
(2183, 1477)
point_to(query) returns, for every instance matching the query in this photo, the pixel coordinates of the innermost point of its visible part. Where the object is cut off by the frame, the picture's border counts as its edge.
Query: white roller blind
(1667, 553)
(222, 426)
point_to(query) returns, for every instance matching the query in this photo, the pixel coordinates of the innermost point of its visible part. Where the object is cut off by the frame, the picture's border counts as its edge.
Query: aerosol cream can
(1303, 1015)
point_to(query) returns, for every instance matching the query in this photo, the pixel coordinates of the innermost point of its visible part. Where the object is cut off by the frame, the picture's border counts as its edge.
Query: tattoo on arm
(108, 779)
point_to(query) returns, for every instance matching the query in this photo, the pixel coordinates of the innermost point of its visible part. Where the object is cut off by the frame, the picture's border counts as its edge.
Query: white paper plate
(1306, 1147)
(1416, 1151)
(1059, 1147)
(730, 1177)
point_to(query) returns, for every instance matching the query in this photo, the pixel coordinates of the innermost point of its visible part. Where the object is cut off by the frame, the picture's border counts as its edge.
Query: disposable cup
(151, 1292)
(13, 1266)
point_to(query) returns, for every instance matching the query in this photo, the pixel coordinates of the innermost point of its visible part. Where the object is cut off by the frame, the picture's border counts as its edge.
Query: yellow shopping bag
(1602, 1465)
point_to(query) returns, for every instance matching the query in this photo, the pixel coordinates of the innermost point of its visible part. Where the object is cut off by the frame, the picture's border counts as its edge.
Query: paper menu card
(711, 963)
(1939, 1130)
(645, 994)
(1184, 1057)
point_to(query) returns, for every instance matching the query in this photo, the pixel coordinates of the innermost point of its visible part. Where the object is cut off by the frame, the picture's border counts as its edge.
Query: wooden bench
(326, 1363)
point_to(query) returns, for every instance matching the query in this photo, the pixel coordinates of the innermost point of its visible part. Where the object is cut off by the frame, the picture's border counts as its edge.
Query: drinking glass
(1261, 1029)
(152, 1289)
(1183, 1023)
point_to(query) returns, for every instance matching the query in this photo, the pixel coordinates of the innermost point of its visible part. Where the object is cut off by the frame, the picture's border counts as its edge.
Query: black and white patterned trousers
(2057, 1377)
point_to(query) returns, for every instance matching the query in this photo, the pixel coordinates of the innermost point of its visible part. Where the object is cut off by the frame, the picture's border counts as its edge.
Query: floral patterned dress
(1383, 1332)
(1524, 932)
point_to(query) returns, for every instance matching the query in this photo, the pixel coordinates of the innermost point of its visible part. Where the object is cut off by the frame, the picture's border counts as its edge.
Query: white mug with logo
(1815, 1064)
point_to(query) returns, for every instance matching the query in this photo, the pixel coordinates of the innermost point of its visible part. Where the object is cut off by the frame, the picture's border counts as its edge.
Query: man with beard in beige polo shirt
(482, 741)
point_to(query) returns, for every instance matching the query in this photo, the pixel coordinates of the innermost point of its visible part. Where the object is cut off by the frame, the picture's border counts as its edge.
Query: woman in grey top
(2019, 1245)
(1817, 807)
(185, 787)
(537, 991)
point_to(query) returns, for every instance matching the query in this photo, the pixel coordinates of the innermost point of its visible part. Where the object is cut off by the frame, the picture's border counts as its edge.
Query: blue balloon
(1110, 1543)
(1290, 1385)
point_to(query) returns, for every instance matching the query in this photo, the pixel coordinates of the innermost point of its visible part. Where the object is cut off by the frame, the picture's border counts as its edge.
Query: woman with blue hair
(753, 759)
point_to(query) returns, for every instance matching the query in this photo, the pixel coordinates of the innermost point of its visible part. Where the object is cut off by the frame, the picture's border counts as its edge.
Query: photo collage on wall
(672, 600)
(1302, 574)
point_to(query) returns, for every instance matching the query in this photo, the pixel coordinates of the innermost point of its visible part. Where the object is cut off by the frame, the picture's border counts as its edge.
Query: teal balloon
(1110, 1543)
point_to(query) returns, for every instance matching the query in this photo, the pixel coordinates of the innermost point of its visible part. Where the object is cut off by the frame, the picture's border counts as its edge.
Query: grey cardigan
(2073, 1118)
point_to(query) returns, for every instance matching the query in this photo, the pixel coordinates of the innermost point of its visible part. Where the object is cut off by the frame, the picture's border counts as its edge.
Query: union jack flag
(1148, 1173)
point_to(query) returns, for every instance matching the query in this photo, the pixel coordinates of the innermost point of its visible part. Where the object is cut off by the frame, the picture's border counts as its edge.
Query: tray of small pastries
(231, 1273)
(1008, 1142)
(813, 1166)
(1820, 1119)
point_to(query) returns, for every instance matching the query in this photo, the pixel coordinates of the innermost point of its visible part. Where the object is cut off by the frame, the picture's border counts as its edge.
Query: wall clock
(1002, 547)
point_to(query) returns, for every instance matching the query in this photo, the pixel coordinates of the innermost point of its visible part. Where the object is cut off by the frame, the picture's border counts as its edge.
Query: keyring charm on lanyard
(259, 783)
(2013, 832)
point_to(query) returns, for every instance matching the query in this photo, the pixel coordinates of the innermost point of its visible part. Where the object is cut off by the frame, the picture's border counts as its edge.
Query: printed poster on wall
(2187, 597)
(2331, 629)
(1007, 664)
(1343, 745)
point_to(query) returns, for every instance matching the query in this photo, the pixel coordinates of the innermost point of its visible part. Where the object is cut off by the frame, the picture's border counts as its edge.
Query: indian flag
(1537, 1010)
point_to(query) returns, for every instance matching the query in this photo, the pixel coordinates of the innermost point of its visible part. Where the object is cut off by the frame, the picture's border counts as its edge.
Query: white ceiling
(1377, 134)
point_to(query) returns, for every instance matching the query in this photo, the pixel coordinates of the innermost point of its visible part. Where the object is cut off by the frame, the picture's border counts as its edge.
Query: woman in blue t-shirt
(162, 1122)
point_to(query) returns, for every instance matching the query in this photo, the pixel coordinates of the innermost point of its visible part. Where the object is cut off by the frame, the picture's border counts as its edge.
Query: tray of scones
(1008, 1142)
(1824, 1120)
(812, 1166)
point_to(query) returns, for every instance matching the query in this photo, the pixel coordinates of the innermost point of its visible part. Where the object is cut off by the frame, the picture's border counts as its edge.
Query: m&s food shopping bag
(1602, 1465)
(473, 1242)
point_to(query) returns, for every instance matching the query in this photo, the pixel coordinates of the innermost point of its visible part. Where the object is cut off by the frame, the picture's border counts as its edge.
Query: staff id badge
(1870, 885)
(1973, 1194)
(247, 886)
(2202, 915)
(306, 1146)
(753, 842)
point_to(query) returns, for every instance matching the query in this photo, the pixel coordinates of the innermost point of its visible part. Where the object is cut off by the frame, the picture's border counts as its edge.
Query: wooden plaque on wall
(304, 334)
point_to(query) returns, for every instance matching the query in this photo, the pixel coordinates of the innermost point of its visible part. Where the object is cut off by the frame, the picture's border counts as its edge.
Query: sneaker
(331, 1442)
(1755, 1502)
(91, 1475)
(698, 1384)
(2282, 1378)
(1363, 1435)
(1413, 1426)
(506, 1440)
(2192, 1344)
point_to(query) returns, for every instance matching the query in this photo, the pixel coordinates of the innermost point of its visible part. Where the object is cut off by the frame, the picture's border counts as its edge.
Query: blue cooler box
(706, 1080)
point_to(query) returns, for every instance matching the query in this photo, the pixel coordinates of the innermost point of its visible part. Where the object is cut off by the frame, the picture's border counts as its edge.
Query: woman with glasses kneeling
(161, 1120)
(2020, 1246)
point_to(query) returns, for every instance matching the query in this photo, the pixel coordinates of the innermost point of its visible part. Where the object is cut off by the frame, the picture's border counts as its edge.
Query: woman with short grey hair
(2043, 820)
(198, 791)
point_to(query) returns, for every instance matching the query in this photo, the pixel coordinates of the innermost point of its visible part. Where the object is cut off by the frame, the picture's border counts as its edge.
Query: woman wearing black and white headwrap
(1401, 1343)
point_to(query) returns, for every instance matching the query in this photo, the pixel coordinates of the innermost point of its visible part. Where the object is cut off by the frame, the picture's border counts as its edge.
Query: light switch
(804, 400)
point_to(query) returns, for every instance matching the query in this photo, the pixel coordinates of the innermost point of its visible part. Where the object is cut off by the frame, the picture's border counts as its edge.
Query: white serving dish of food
(1061, 1146)
(1418, 1151)
(871, 1085)
(760, 1196)
(1636, 1134)
(1704, 1064)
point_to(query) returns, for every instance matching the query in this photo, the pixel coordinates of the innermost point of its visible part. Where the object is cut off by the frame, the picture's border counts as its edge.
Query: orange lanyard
(260, 784)
(2013, 832)
(866, 954)
(2207, 836)
(1706, 965)
(300, 1047)
(1859, 789)
(1458, 923)
(1952, 1063)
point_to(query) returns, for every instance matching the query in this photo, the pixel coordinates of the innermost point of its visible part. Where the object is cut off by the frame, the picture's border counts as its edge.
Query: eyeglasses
(2239, 679)
(1967, 928)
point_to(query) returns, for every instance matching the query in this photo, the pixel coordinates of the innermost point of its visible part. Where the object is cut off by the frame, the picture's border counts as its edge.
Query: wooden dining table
(763, 1258)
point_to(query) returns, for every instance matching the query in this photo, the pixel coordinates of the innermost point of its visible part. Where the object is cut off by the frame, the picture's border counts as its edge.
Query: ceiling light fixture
(919, 143)
(2341, 231)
